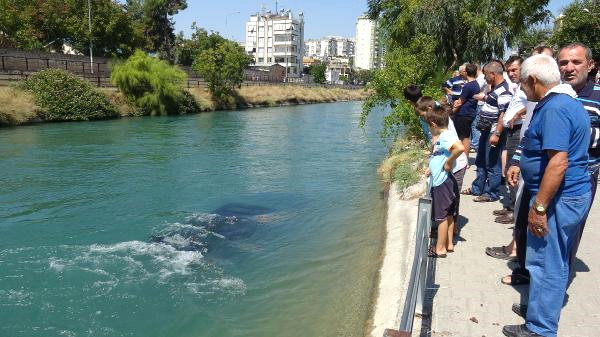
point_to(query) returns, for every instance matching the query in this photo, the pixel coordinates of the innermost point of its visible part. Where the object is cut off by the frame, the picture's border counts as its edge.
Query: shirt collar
(587, 90)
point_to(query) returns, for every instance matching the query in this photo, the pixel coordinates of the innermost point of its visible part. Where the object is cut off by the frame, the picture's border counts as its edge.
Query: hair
(588, 51)
(471, 70)
(494, 66)
(435, 112)
(513, 59)
(542, 67)
(540, 50)
(412, 92)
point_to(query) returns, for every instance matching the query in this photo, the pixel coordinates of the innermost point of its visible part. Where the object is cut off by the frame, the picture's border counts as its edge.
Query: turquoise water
(265, 222)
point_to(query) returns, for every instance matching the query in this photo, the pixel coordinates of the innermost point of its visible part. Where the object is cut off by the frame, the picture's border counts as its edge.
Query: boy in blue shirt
(446, 148)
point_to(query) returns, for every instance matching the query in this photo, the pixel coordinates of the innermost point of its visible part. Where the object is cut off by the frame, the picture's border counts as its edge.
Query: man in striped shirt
(575, 62)
(453, 87)
(493, 138)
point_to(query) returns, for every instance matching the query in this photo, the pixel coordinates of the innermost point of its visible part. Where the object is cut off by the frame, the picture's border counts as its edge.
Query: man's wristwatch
(497, 133)
(539, 207)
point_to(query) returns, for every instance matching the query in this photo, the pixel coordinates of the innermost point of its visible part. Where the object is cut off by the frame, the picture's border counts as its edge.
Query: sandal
(483, 198)
(467, 191)
(499, 253)
(515, 280)
(432, 253)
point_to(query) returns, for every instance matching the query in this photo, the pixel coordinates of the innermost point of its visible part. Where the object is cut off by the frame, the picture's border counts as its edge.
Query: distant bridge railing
(415, 294)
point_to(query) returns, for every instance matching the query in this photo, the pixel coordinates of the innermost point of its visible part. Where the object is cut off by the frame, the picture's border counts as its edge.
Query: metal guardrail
(415, 293)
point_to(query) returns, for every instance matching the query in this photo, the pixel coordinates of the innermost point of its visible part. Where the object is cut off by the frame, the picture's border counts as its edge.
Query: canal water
(263, 222)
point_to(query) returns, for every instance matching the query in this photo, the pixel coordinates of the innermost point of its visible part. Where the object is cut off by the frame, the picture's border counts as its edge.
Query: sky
(322, 17)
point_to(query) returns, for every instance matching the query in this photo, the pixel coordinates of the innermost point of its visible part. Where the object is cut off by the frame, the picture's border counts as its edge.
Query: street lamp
(226, 27)
(90, 28)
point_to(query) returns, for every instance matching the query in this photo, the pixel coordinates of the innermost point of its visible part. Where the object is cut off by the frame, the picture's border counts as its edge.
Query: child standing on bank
(446, 148)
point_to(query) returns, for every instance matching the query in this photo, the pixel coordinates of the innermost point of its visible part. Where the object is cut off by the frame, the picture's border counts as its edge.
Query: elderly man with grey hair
(553, 164)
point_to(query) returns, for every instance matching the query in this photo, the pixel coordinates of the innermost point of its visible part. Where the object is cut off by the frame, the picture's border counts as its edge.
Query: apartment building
(330, 46)
(276, 38)
(368, 49)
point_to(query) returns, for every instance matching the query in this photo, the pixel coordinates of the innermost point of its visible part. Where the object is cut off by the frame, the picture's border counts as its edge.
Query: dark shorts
(443, 200)
(463, 126)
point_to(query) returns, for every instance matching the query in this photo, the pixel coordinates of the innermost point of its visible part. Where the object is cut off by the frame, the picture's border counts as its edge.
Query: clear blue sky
(322, 17)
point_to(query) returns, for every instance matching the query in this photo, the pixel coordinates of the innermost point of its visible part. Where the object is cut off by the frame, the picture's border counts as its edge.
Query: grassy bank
(19, 106)
(405, 163)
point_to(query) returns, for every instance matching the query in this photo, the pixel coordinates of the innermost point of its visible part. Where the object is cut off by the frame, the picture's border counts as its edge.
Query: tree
(464, 30)
(50, 23)
(187, 49)
(158, 25)
(580, 23)
(317, 71)
(153, 85)
(222, 66)
(532, 38)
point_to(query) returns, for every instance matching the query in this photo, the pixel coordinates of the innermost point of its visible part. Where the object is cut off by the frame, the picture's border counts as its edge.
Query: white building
(330, 46)
(312, 48)
(368, 49)
(276, 38)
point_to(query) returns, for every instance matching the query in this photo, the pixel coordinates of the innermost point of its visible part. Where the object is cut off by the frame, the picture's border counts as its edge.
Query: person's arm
(455, 151)
(518, 116)
(553, 177)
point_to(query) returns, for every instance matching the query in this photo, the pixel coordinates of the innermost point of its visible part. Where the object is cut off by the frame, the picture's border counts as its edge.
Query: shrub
(152, 85)
(66, 97)
(17, 107)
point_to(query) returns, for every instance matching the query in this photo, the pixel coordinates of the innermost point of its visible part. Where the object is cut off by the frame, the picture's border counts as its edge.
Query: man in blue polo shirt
(553, 164)
(575, 62)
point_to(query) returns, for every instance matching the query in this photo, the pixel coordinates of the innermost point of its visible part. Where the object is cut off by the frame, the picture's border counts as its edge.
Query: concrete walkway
(466, 297)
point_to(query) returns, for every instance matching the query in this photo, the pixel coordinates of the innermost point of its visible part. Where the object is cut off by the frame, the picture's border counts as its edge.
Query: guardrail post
(26, 64)
(3, 63)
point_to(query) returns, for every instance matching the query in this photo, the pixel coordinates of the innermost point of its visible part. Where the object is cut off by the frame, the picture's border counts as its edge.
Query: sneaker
(520, 309)
(502, 212)
(518, 331)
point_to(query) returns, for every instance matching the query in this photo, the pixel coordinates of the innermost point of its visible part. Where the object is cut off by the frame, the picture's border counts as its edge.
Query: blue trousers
(475, 134)
(548, 262)
(489, 166)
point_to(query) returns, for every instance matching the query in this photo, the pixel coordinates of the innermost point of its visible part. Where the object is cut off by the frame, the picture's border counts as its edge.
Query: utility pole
(90, 28)
(276, 6)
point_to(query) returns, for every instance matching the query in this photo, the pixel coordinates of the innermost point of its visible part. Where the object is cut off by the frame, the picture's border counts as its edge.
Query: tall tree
(580, 22)
(50, 23)
(159, 26)
(222, 66)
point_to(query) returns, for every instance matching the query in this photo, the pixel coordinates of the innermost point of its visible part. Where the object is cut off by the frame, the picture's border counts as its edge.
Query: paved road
(467, 299)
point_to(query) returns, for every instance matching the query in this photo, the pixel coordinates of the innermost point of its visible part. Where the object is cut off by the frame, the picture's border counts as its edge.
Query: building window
(261, 59)
(261, 41)
(279, 60)
(270, 59)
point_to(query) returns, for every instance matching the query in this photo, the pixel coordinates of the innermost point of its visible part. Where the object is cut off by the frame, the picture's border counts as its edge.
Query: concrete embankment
(397, 256)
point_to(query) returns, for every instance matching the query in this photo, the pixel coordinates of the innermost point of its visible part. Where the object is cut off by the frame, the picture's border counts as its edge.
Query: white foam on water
(56, 264)
(19, 298)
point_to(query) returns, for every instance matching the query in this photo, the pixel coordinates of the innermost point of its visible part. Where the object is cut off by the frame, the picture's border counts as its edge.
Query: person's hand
(427, 172)
(494, 140)
(447, 166)
(537, 223)
(513, 175)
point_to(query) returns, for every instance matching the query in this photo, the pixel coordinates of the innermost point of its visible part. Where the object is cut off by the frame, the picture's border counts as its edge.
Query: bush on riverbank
(17, 107)
(153, 86)
(405, 164)
(63, 96)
